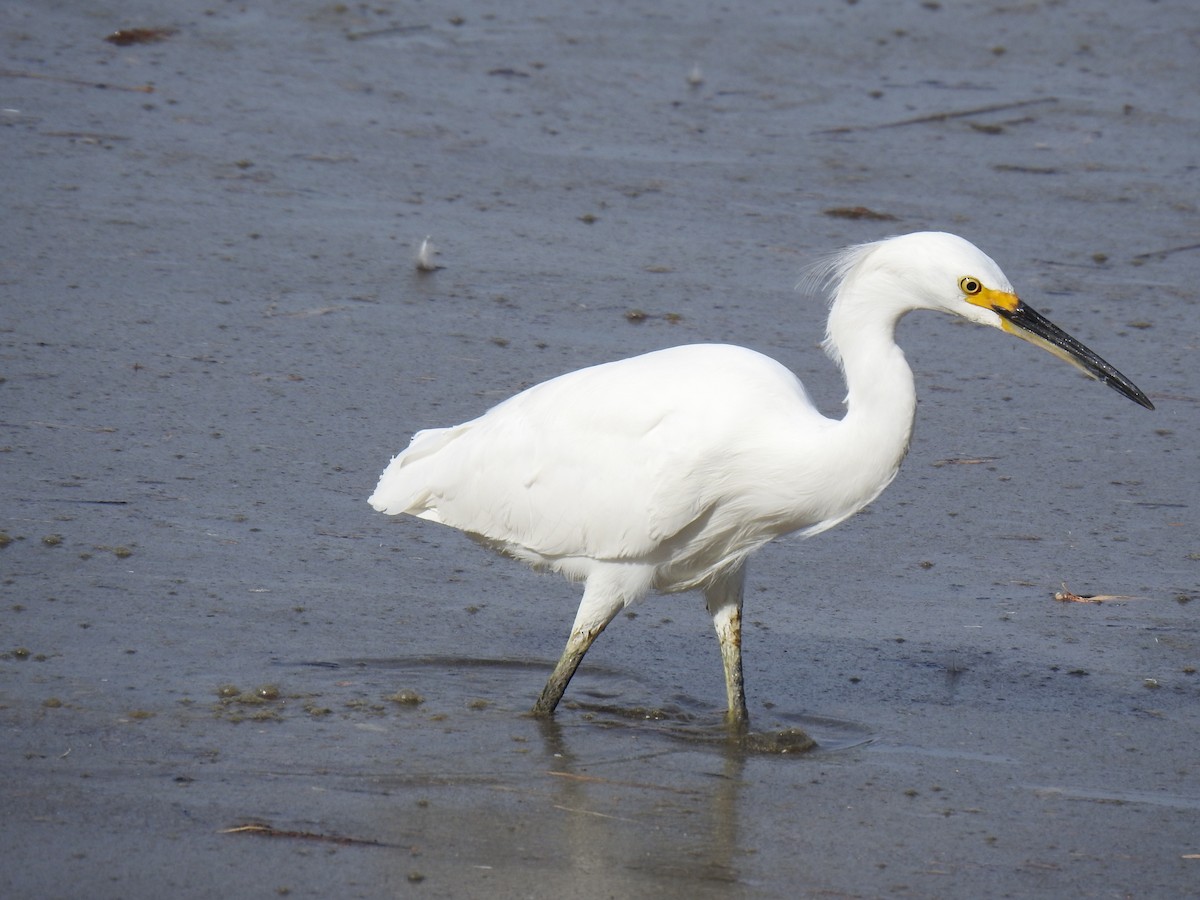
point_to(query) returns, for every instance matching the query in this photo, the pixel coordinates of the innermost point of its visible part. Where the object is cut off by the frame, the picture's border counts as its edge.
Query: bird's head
(935, 270)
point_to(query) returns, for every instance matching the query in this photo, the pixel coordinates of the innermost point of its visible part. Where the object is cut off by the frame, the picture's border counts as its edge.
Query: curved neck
(881, 400)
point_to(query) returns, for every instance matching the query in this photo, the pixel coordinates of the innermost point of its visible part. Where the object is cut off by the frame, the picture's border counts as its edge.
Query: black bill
(1032, 326)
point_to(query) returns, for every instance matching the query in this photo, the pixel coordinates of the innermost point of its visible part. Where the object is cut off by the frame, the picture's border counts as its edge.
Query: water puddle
(601, 698)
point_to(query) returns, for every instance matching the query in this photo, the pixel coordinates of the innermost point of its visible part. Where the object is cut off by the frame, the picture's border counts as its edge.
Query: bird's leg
(572, 656)
(599, 606)
(725, 606)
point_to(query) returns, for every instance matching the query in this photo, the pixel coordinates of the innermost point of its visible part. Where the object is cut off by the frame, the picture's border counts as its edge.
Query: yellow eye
(970, 285)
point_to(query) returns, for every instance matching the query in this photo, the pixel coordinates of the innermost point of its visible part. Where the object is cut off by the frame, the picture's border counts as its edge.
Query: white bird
(666, 471)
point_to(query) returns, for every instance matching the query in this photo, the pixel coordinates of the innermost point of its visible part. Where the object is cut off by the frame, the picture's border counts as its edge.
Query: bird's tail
(404, 485)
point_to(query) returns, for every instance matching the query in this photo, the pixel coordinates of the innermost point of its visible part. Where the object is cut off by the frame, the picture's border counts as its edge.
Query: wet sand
(214, 336)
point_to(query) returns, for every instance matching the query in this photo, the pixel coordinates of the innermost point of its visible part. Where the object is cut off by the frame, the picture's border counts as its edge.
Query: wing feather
(607, 462)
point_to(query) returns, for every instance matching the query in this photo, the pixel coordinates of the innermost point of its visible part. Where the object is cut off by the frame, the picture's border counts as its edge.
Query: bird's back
(628, 460)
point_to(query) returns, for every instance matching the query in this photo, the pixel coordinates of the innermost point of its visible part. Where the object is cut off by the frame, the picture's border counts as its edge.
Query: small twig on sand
(268, 831)
(101, 85)
(1066, 595)
(941, 117)
(1160, 254)
(592, 812)
(388, 31)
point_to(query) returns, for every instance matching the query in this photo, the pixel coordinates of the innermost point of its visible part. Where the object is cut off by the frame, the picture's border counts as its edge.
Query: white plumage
(666, 471)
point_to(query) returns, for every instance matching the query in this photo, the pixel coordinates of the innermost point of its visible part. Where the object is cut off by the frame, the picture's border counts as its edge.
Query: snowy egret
(666, 471)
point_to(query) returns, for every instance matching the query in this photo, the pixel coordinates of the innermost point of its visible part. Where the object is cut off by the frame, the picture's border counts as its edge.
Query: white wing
(608, 462)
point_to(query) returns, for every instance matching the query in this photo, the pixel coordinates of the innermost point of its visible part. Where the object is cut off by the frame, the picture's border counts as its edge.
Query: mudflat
(223, 675)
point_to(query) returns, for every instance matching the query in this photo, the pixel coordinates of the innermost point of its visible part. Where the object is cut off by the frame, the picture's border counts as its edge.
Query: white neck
(880, 390)
(872, 439)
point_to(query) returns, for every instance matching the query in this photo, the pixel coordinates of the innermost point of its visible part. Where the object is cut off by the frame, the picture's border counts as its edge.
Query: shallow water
(214, 337)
